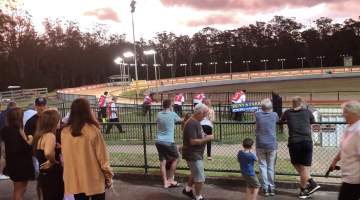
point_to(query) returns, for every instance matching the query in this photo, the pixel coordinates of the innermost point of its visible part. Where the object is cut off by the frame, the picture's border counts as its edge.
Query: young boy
(246, 159)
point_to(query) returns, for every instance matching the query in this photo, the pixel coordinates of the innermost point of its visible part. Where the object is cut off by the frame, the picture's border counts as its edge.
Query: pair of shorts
(207, 129)
(251, 181)
(167, 151)
(301, 153)
(197, 170)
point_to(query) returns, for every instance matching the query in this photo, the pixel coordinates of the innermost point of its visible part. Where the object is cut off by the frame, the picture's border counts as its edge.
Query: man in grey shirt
(194, 141)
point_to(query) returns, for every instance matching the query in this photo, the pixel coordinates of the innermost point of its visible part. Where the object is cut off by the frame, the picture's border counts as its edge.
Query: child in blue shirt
(247, 159)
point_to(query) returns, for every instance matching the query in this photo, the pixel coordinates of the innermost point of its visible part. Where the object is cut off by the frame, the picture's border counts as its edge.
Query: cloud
(216, 19)
(103, 14)
(248, 6)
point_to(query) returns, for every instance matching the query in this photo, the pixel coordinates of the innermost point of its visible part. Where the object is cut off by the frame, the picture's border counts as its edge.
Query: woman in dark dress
(47, 152)
(18, 151)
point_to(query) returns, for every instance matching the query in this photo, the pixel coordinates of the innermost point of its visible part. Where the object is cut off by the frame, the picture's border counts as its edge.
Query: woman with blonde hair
(208, 125)
(50, 179)
(19, 165)
(86, 160)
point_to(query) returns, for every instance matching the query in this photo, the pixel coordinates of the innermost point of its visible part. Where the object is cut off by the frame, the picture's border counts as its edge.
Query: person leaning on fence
(247, 158)
(299, 120)
(194, 141)
(349, 154)
(165, 143)
(208, 125)
(50, 179)
(86, 172)
(113, 115)
(103, 101)
(19, 164)
(148, 100)
(266, 145)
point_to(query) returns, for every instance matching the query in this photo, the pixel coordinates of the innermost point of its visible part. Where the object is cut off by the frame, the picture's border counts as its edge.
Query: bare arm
(336, 159)
(49, 147)
(201, 141)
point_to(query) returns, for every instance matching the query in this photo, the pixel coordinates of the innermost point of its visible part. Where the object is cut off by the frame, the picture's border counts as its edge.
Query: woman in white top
(208, 125)
(349, 153)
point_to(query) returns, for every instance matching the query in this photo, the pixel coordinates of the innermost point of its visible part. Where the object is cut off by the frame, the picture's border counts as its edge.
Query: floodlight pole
(132, 5)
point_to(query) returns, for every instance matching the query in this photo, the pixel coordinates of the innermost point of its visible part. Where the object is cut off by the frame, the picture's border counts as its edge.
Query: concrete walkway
(151, 190)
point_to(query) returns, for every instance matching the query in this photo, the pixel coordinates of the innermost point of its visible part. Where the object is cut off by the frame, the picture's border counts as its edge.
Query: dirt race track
(321, 89)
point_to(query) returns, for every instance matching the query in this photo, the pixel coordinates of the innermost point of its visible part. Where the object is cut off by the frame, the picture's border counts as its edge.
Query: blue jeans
(267, 159)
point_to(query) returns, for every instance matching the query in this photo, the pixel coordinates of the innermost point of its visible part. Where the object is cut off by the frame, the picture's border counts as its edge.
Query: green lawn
(224, 134)
(219, 163)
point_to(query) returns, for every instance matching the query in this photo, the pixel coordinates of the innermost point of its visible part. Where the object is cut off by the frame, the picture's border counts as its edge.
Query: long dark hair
(80, 115)
(47, 123)
(14, 118)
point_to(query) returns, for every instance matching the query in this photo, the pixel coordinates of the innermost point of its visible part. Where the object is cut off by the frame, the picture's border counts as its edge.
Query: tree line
(65, 56)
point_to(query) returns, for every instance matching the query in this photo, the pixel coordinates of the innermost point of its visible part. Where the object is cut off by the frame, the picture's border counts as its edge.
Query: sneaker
(189, 194)
(304, 194)
(312, 187)
(3, 177)
(266, 192)
(272, 192)
(209, 158)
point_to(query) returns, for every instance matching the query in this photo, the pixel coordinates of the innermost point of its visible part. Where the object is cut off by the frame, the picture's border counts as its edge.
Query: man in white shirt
(178, 102)
(238, 97)
(349, 154)
(113, 112)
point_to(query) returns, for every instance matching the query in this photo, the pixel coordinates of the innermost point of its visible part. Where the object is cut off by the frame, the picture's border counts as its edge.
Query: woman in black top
(19, 165)
(47, 152)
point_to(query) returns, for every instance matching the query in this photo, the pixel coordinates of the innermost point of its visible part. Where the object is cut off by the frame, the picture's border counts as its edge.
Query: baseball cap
(40, 101)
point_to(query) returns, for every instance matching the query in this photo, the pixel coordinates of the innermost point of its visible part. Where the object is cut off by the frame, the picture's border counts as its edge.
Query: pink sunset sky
(186, 16)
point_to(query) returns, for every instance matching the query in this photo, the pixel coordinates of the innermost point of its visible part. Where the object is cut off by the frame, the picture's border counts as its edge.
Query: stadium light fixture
(302, 62)
(215, 64)
(265, 61)
(282, 60)
(247, 62)
(128, 54)
(199, 64)
(321, 58)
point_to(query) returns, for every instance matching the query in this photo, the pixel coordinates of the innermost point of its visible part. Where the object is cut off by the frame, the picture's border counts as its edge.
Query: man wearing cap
(31, 124)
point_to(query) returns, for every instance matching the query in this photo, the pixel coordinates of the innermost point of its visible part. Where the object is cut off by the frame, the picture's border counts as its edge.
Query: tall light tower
(230, 59)
(321, 61)
(302, 62)
(153, 52)
(214, 63)
(265, 61)
(199, 64)
(184, 65)
(120, 62)
(282, 60)
(247, 62)
(132, 5)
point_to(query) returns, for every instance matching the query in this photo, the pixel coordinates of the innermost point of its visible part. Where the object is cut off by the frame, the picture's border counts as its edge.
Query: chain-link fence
(135, 146)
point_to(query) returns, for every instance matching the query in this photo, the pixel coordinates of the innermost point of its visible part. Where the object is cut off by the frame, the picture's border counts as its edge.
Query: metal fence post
(144, 146)
(220, 120)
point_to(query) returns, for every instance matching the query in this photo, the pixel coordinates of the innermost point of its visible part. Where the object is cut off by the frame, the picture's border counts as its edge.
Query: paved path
(141, 190)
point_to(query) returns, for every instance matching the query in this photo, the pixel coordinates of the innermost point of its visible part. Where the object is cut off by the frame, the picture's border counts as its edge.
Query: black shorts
(301, 153)
(349, 191)
(167, 151)
(207, 129)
